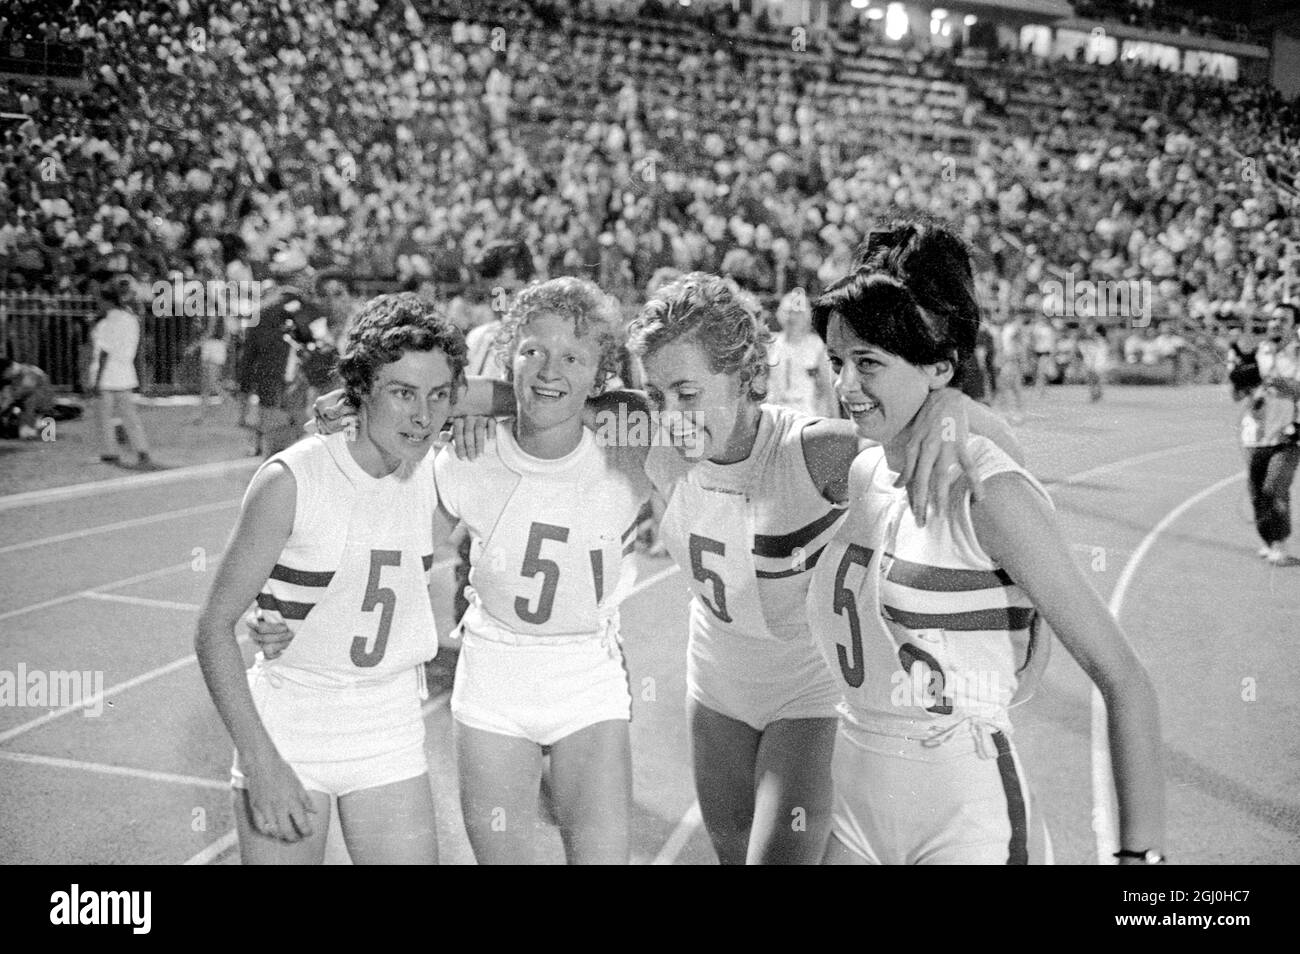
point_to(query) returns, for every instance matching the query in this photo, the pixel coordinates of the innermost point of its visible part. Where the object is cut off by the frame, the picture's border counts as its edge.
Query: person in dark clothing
(1270, 434)
(286, 311)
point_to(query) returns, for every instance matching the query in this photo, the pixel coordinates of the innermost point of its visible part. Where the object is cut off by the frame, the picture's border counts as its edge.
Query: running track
(1149, 488)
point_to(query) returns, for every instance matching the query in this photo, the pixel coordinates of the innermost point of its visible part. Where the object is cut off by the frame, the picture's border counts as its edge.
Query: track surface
(110, 581)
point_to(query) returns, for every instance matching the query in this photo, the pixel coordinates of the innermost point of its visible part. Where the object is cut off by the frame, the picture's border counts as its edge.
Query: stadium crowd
(395, 141)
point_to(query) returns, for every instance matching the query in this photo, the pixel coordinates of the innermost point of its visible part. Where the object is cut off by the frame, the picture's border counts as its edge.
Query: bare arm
(280, 804)
(1019, 530)
(829, 447)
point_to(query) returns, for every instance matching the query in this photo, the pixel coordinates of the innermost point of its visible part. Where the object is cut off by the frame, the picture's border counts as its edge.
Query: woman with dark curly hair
(334, 535)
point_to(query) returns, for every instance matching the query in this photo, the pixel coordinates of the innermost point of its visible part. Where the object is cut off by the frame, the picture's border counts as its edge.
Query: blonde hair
(594, 315)
(716, 314)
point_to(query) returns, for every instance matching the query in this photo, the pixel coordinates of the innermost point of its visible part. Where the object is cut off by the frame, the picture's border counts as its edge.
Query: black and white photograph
(652, 432)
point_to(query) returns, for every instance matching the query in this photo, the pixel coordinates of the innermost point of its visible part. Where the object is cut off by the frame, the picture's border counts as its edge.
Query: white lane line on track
(73, 491)
(652, 579)
(97, 698)
(144, 601)
(214, 851)
(111, 585)
(121, 525)
(126, 772)
(1083, 475)
(1104, 822)
(686, 827)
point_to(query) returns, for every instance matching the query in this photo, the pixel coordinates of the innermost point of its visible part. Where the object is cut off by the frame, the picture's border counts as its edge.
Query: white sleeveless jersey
(552, 540)
(352, 581)
(749, 533)
(921, 629)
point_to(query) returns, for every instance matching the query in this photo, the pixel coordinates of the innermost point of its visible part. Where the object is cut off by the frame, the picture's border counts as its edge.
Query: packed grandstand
(388, 143)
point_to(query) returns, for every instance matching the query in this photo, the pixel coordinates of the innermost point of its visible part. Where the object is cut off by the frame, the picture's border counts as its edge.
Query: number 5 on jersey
(699, 547)
(852, 664)
(385, 599)
(550, 570)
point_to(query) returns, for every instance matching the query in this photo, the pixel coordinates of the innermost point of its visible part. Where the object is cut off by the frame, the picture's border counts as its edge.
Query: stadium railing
(53, 333)
(31, 59)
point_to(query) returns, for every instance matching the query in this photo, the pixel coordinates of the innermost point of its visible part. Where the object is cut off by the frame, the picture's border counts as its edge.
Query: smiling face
(404, 411)
(555, 371)
(701, 409)
(881, 391)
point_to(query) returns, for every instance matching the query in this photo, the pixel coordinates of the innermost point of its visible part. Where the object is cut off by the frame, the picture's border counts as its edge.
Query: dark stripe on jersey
(784, 545)
(627, 534)
(1018, 847)
(287, 609)
(808, 564)
(598, 572)
(287, 574)
(1011, 617)
(427, 561)
(631, 545)
(943, 579)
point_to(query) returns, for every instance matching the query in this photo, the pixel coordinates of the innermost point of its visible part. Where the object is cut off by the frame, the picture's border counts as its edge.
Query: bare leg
(391, 824)
(500, 777)
(793, 792)
(724, 752)
(591, 782)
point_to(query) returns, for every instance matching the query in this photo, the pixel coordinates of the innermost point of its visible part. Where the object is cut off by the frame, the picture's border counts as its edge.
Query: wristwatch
(1148, 857)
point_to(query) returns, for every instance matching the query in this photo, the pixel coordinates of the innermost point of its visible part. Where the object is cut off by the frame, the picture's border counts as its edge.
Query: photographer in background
(1269, 433)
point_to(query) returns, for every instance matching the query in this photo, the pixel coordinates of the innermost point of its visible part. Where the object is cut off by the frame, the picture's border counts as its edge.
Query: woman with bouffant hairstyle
(753, 495)
(931, 628)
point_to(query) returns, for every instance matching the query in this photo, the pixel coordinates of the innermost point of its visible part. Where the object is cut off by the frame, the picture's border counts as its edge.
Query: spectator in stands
(1042, 341)
(113, 376)
(503, 268)
(799, 377)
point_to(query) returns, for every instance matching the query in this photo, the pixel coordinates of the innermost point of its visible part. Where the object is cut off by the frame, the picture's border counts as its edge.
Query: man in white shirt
(116, 337)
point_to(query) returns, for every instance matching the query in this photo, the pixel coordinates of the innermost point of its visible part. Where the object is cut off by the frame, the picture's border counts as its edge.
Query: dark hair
(387, 327)
(114, 291)
(911, 293)
(500, 255)
(1295, 312)
(716, 314)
